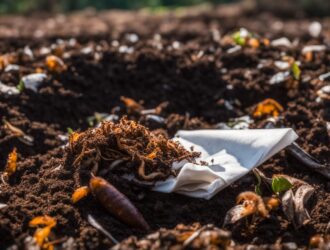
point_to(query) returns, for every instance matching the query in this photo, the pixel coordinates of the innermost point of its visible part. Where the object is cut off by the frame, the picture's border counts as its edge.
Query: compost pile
(99, 95)
(149, 155)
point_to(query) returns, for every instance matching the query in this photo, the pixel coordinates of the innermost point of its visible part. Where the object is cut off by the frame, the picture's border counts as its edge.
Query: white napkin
(230, 154)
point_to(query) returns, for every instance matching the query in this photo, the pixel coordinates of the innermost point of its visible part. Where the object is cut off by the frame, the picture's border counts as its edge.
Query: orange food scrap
(253, 43)
(42, 220)
(266, 42)
(74, 137)
(268, 107)
(308, 56)
(55, 64)
(132, 105)
(39, 70)
(252, 203)
(80, 193)
(272, 203)
(11, 163)
(41, 234)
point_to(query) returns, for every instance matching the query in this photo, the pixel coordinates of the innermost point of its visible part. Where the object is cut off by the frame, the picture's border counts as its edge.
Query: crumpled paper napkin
(230, 154)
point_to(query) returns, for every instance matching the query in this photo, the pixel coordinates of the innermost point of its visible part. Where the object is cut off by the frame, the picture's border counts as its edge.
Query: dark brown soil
(154, 69)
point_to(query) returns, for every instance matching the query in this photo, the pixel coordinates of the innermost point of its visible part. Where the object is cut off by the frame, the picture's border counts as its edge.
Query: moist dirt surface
(181, 59)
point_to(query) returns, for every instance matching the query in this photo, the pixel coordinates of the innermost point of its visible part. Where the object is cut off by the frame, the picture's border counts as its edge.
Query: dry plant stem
(301, 155)
(297, 152)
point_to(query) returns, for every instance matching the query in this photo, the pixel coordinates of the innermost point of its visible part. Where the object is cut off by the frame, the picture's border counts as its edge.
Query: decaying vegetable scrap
(193, 236)
(145, 154)
(41, 234)
(294, 195)
(268, 107)
(123, 148)
(55, 64)
(134, 107)
(249, 203)
(11, 166)
(16, 132)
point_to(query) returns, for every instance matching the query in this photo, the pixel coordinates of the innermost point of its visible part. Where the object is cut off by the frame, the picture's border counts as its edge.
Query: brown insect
(117, 203)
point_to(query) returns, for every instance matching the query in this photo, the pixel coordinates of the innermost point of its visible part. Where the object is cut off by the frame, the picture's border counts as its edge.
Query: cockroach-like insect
(117, 203)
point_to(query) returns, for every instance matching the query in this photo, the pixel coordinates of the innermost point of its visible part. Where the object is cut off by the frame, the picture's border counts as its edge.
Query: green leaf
(70, 131)
(296, 72)
(238, 39)
(20, 86)
(280, 184)
(257, 188)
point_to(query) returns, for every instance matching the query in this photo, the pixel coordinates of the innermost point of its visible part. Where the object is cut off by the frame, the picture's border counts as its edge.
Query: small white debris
(315, 29)
(155, 118)
(12, 67)
(313, 48)
(33, 81)
(87, 50)
(285, 42)
(324, 92)
(126, 49)
(244, 33)
(8, 90)
(228, 105)
(325, 76)
(44, 51)
(282, 65)
(63, 138)
(115, 43)
(57, 168)
(279, 77)
(234, 49)
(111, 118)
(216, 36)
(176, 45)
(2, 205)
(133, 38)
(27, 51)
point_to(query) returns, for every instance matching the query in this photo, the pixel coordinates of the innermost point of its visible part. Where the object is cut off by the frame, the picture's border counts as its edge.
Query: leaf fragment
(80, 193)
(27, 139)
(293, 204)
(280, 184)
(296, 72)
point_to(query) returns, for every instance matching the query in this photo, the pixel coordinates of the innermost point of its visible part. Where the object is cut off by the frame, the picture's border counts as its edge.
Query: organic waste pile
(149, 155)
(90, 100)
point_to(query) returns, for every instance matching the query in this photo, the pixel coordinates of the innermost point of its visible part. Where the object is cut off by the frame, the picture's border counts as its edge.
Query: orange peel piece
(11, 163)
(74, 137)
(42, 220)
(55, 64)
(131, 104)
(268, 107)
(80, 193)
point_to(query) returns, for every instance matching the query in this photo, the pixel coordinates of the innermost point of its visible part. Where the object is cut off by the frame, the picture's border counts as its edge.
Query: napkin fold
(230, 154)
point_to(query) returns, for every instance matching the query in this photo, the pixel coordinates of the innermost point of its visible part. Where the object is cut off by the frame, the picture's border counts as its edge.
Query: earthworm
(117, 203)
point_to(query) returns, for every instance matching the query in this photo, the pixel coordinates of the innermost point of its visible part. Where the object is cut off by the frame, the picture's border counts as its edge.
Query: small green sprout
(280, 184)
(20, 86)
(70, 131)
(238, 39)
(296, 72)
(257, 188)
